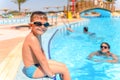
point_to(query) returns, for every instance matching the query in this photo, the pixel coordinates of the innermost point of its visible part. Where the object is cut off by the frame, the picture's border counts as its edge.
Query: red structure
(73, 5)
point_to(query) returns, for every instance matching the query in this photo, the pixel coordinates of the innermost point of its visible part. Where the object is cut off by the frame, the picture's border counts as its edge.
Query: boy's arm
(38, 52)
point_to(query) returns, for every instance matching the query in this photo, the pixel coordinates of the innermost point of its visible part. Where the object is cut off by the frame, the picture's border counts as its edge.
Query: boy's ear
(30, 25)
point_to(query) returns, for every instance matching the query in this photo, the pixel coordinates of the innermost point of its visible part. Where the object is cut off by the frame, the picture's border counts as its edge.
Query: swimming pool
(73, 49)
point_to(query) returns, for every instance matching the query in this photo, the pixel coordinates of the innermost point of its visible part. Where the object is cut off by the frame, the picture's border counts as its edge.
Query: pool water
(73, 49)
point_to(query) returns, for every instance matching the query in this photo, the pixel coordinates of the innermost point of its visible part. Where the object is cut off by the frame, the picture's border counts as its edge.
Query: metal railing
(49, 54)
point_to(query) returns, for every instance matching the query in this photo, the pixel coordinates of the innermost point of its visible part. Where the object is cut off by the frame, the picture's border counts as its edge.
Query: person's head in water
(105, 47)
(85, 29)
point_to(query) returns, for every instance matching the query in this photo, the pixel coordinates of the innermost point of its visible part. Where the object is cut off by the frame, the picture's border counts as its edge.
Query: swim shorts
(29, 71)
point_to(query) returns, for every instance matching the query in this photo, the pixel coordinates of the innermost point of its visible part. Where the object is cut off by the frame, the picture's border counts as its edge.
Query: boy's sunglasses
(40, 24)
(105, 47)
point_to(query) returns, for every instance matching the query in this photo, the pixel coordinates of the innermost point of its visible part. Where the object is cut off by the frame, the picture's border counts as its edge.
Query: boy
(35, 61)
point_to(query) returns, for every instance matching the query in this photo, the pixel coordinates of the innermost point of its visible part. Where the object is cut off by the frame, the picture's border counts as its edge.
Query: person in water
(35, 61)
(105, 51)
(70, 29)
(85, 30)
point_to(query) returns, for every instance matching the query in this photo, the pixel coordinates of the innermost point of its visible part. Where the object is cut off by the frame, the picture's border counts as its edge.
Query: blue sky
(38, 4)
(32, 4)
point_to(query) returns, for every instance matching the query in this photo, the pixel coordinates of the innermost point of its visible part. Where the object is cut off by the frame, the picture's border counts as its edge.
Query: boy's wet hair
(39, 13)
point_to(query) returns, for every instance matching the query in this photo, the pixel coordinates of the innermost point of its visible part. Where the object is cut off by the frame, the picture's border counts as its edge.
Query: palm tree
(19, 2)
(111, 0)
(5, 10)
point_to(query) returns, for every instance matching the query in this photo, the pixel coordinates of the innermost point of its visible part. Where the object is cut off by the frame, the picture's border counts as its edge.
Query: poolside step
(10, 64)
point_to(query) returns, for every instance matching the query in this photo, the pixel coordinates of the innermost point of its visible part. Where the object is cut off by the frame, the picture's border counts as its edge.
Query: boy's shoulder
(30, 38)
